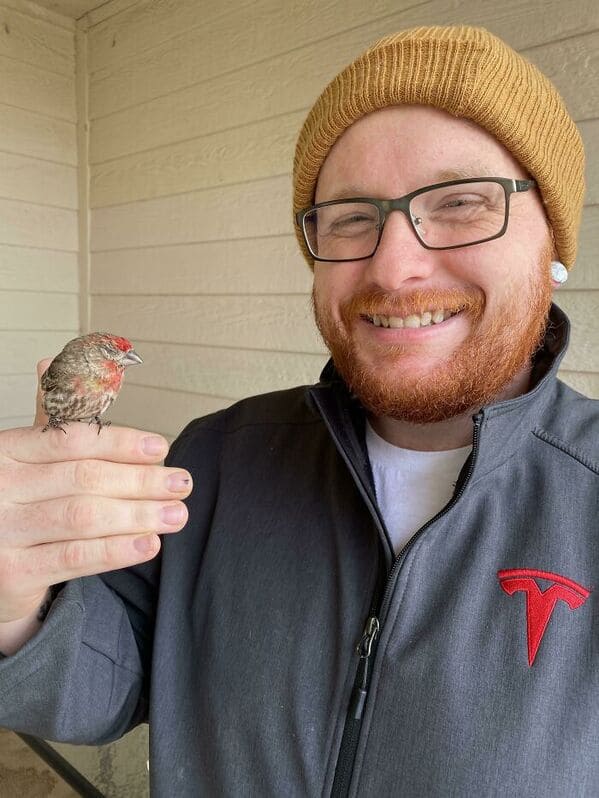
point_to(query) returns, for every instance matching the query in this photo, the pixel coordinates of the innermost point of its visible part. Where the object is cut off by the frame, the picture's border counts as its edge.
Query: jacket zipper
(367, 646)
(353, 721)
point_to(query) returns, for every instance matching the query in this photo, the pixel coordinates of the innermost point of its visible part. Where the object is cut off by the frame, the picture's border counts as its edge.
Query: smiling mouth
(413, 321)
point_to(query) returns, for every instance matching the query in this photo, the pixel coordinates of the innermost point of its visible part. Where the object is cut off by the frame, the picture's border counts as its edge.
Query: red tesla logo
(541, 603)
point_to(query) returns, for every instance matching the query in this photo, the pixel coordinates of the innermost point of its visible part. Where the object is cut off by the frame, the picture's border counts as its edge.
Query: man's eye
(461, 201)
(355, 219)
(357, 222)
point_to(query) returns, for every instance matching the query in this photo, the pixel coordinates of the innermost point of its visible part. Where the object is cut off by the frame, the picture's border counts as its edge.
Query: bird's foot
(99, 422)
(55, 422)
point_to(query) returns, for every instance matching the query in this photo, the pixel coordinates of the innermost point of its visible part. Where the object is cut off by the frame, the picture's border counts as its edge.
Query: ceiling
(70, 8)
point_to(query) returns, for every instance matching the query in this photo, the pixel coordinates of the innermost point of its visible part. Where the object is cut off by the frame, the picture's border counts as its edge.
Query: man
(385, 585)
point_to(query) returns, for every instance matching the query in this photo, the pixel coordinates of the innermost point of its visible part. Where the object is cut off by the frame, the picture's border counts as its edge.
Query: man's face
(501, 289)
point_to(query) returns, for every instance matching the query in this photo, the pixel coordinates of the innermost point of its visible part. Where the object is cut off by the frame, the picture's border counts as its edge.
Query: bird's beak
(131, 358)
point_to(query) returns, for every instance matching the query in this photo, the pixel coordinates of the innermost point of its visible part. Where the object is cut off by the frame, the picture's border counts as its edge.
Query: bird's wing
(59, 370)
(50, 379)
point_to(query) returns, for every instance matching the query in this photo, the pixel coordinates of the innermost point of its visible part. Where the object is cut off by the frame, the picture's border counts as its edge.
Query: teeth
(395, 322)
(413, 321)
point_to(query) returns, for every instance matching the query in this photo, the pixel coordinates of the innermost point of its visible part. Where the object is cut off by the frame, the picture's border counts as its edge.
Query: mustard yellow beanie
(469, 73)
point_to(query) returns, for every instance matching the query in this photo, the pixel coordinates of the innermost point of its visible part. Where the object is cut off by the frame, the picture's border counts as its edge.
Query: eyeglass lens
(448, 216)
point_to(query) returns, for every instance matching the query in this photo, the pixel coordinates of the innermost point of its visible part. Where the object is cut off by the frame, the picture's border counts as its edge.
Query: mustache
(376, 301)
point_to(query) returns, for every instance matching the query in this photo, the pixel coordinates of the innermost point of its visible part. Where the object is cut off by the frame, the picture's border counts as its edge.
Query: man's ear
(559, 273)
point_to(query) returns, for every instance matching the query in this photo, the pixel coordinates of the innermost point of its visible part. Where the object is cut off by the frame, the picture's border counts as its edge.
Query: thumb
(40, 416)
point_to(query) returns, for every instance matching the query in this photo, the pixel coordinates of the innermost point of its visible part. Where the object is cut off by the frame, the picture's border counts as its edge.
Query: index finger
(117, 444)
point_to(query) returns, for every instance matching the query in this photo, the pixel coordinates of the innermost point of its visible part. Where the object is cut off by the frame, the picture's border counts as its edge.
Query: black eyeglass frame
(385, 207)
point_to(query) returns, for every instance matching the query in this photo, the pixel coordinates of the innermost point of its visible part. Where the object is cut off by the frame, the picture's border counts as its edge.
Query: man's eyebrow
(458, 173)
(349, 192)
(463, 173)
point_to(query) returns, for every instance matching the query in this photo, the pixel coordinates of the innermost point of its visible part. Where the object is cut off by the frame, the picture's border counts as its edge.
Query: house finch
(85, 378)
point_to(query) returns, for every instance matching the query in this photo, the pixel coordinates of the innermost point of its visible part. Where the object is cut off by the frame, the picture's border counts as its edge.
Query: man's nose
(400, 256)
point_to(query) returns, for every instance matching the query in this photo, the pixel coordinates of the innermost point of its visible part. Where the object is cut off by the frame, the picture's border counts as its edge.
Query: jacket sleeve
(80, 679)
(84, 676)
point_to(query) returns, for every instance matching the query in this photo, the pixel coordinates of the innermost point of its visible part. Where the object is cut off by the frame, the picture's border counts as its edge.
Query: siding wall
(38, 199)
(193, 118)
(193, 111)
(188, 116)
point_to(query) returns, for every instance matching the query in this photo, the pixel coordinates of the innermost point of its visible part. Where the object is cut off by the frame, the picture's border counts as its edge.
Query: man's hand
(79, 504)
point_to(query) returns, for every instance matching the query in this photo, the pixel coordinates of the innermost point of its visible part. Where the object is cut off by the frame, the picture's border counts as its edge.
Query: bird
(85, 378)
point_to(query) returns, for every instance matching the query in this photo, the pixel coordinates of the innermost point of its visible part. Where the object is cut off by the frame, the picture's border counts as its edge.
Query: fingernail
(154, 445)
(179, 481)
(145, 544)
(172, 513)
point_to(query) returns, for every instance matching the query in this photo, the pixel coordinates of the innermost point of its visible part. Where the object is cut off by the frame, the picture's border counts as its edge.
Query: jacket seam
(477, 477)
(572, 451)
(28, 675)
(116, 664)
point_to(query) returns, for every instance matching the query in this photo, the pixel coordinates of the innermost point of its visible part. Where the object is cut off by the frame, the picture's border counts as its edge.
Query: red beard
(472, 376)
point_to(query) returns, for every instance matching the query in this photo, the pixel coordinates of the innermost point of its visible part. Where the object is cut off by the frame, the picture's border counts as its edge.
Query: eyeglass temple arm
(524, 185)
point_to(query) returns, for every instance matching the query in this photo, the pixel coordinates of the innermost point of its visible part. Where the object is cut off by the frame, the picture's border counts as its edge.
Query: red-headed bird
(85, 378)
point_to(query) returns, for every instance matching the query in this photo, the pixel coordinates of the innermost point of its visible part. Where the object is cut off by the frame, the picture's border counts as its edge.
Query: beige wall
(193, 110)
(193, 119)
(185, 176)
(38, 199)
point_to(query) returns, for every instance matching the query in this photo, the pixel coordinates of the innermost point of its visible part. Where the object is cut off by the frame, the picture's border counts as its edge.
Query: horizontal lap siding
(194, 114)
(39, 283)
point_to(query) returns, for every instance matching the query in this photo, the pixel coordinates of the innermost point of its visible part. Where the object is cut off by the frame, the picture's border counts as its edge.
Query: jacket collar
(503, 425)
(506, 425)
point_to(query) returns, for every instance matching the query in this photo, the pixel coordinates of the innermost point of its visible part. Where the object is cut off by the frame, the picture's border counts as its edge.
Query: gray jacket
(477, 666)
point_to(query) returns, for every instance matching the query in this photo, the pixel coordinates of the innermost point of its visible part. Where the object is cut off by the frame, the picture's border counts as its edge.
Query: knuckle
(6, 522)
(69, 446)
(91, 556)
(107, 553)
(74, 555)
(79, 514)
(143, 516)
(87, 475)
(143, 480)
(8, 573)
(11, 476)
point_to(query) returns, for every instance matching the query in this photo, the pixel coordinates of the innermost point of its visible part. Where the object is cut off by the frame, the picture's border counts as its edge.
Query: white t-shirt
(411, 486)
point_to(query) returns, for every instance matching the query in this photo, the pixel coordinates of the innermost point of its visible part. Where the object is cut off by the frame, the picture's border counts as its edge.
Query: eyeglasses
(458, 213)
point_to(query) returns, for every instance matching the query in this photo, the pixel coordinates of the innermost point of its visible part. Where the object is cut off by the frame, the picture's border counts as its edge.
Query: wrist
(14, 634)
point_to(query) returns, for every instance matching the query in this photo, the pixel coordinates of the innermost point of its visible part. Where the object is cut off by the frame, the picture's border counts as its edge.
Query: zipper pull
(371, 630)
(364, 649)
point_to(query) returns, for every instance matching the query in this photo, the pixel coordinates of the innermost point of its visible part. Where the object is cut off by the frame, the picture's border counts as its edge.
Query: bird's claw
(54, 423)
(99, 422)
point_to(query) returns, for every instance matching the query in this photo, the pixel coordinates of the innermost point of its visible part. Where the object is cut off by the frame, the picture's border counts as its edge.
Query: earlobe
(559, 273)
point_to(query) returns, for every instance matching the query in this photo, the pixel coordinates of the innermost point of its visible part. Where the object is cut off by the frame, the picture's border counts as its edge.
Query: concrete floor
(24, 775)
